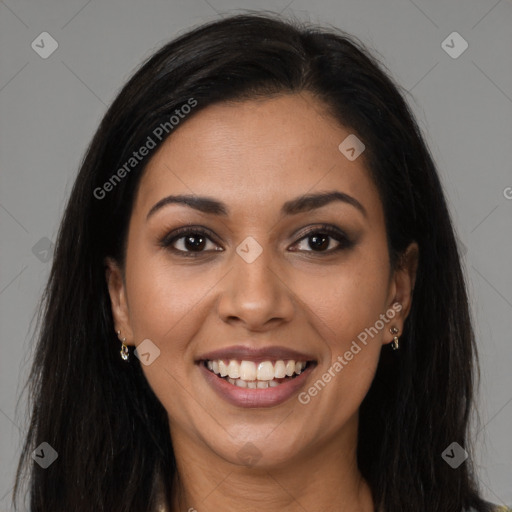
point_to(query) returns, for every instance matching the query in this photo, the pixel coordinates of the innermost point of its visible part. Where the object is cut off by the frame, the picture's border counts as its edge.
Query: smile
(262, 375)
(256, 384)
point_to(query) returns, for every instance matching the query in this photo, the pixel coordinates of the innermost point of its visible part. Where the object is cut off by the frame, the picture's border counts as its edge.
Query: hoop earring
(394, 344)
(125, 353)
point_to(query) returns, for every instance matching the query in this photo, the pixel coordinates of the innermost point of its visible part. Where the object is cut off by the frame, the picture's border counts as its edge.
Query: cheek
(162, 295)
(170, 304)
(157, 301)
(167, 307)
(347, 306)
(348, 299)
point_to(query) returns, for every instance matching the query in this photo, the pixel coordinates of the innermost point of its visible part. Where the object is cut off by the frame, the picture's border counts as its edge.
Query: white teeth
(290, 368)
(223, 369)
(280, 370)
(261, 376)
(248, 370)
(265, 371)
(233, 369)
(254, 384)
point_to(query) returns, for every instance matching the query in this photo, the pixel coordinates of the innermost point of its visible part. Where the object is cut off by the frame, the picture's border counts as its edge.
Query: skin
(254, 156)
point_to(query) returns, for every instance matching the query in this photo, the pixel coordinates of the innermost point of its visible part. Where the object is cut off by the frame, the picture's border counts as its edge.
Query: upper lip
(247, 353)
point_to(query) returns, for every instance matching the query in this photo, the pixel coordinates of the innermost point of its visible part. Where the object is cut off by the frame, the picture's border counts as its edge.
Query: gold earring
(125, 353)
(394, 344)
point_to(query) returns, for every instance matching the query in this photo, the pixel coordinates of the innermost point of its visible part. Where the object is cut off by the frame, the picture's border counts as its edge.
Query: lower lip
(249, 397)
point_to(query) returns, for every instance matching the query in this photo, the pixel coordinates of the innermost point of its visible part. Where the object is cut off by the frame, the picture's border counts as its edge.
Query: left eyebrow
(312, 201)
(293, 207)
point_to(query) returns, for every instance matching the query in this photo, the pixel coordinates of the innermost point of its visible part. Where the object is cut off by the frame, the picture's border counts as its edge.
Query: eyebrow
(295, 206)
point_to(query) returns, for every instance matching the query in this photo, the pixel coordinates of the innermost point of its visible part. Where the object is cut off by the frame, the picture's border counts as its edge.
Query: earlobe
(117, 293)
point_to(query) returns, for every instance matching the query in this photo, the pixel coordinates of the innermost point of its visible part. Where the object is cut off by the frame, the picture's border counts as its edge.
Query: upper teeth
(249, 371)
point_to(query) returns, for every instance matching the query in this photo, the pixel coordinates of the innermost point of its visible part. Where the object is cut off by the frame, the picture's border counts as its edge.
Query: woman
(260, 224)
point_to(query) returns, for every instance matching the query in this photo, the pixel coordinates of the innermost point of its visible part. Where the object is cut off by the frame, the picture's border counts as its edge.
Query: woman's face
(266, 273)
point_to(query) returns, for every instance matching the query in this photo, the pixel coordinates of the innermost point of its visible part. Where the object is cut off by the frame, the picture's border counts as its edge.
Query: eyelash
(324, 229)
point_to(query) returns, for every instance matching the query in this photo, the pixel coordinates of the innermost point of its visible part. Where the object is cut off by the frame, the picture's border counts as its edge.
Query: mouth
(247, 377)
(257, 375)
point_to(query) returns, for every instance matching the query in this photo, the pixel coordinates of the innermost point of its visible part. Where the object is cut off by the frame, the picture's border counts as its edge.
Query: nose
(255, 295)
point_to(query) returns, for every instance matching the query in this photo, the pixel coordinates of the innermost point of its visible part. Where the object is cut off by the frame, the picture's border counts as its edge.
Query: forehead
(256, 150)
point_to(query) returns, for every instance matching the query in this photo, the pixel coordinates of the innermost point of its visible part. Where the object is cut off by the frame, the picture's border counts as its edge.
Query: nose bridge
(256, 277)
(255, 294)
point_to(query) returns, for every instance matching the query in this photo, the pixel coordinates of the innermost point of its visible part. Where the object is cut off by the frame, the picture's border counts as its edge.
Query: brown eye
(194, 242)
(319, 242)
(189, 241)
(324, 239)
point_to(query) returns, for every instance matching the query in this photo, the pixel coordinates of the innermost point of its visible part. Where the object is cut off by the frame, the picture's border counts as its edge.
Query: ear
(117, 292)
(402, 286)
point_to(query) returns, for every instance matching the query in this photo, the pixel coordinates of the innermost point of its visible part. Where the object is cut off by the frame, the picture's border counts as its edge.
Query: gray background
(49, 109)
